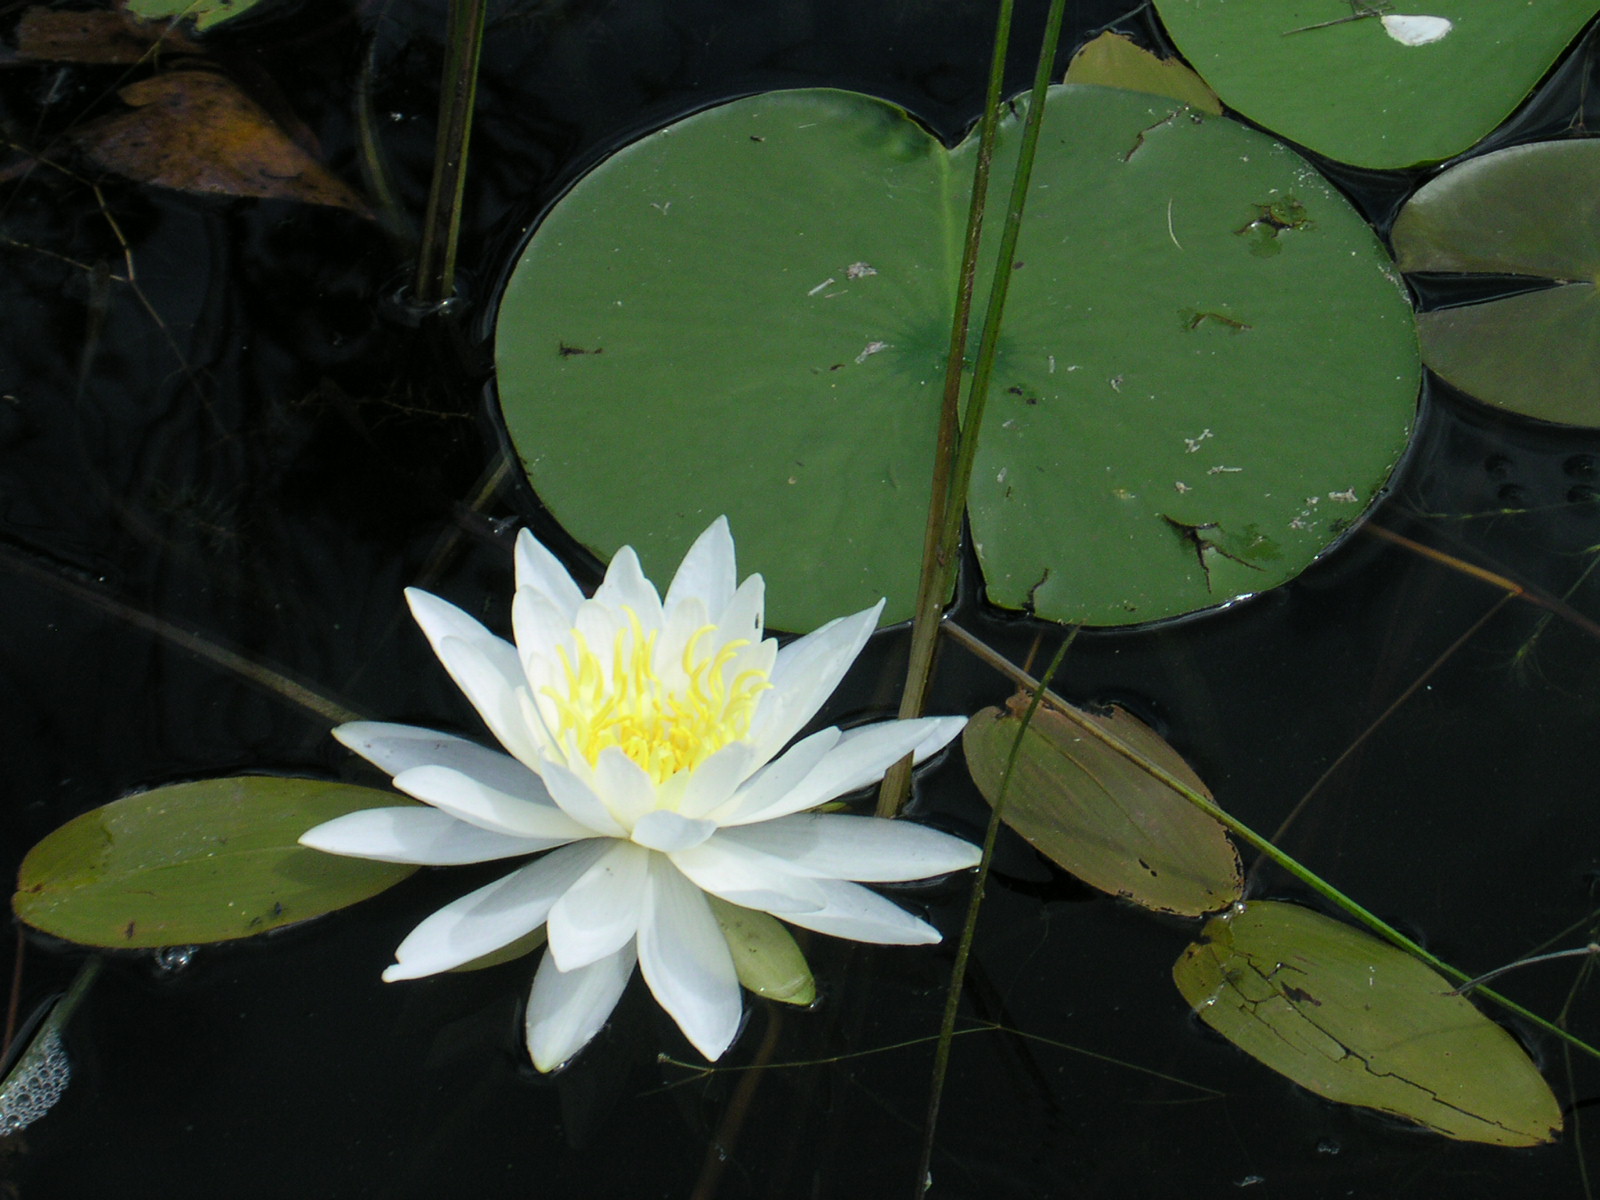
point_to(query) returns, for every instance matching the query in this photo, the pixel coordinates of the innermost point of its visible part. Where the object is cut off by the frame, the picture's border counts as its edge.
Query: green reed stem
(441, 230)
(1291, 865)
(958, 438)
(969, 928)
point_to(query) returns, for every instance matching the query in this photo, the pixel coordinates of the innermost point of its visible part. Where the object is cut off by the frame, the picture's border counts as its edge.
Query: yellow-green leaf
(765, 956)
(1098, 815)
(1113, 60)
(198, 862)
(1361, 1022)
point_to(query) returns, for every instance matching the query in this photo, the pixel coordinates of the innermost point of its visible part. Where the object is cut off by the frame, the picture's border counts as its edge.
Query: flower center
(666, 720)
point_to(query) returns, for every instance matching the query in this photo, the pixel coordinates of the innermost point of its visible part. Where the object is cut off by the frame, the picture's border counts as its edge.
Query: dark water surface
(246, 445)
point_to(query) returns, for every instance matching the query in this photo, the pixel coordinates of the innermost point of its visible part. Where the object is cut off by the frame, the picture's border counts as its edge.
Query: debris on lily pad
(1096, 813)
(1361, 1022)
(1527, 212)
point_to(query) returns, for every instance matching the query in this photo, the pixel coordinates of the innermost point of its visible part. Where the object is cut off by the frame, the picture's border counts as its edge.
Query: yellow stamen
(663, 729)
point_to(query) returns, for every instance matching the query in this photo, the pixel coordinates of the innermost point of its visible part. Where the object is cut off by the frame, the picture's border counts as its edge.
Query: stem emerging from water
(958, 439)
(436, 262)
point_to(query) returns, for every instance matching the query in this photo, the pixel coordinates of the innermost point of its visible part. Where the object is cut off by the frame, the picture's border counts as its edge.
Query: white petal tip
(1416, 30)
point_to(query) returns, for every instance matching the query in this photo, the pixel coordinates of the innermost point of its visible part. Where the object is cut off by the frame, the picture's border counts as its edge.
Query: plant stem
(1291, 865)
(436, 261)
(949, 501)
(969, 929)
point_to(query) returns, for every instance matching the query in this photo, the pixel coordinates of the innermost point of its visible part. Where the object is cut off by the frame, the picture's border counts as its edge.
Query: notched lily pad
(1526, 211)
(1096, 814)
(1360, 1022)
(198, 862)
(1383, 89)
(1207, 372)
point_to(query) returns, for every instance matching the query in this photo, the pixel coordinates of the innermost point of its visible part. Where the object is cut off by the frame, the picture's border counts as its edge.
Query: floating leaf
(1208, 368)
(94, 36)
(1096, 814)
(204, 13)
(1361, 1022)
(1525, 211)
(195, 131)
(1381, 90)
(198, 862)
(1114, 60)
(765, 956)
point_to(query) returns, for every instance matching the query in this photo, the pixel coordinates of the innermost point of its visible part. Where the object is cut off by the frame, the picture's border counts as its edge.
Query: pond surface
(221, 444)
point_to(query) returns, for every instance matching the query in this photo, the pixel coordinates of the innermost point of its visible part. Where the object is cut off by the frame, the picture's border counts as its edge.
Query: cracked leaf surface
(1360, 1022)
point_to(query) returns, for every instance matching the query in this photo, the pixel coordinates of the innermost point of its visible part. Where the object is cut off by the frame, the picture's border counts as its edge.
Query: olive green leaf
(1526, 211)
(1098, 815)
(198, 862)
(1358, 1021)
(1208, 370)
(1113, 60)
(765, 955)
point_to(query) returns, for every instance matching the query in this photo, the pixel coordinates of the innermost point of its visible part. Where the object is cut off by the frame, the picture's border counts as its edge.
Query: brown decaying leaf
(195, 131)
(95, 36)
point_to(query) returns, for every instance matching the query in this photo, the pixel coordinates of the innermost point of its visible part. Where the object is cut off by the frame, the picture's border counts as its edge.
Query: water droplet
(1328, 1146)
(172, 959)
(1581, 466)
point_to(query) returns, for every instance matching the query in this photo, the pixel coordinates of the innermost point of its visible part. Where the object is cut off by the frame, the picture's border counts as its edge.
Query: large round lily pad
(1369, 91)
(1526, 211)
(1208, 367)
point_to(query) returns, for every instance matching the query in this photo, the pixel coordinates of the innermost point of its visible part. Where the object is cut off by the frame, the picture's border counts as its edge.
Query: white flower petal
(623, 786)
(711, 784)
(398, 748)
(425, 836)
(493, 693)
(477, 803)
(599, 914)
(868, 849)
(439, 619)
(860, 757)
(540, 570)
(745, 614)
(805, 674)
(567, 1008)
(748, 878)
(577, 798)
(854, 912)
(707, 571)
(1416, 31)
(493, 916)
(686, 962)
(780, 777)
(625, 587)
(540, 628)
(670, 831)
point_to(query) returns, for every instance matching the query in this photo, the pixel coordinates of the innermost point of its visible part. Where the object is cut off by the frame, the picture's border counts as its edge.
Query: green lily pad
(1357, 92)
(198, 862)
(1207, 372)
(1525, 211)
(1096, 814)
(766, 957)
(1114, 60)
(1358, 1021)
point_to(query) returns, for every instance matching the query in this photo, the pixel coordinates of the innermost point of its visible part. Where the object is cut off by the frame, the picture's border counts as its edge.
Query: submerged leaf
(1207, 371)
(1096, 814)
(1383, 89)
(95, 36)
(1525, 211)
(195, 131)
(765, 955)
(1114, 60)
(198, 862)
(1358, 1021)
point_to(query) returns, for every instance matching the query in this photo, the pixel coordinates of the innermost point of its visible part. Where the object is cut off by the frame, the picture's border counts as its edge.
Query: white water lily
(644, 738)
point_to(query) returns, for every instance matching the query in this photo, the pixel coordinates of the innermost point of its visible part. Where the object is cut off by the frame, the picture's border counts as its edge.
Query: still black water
(210, 414)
